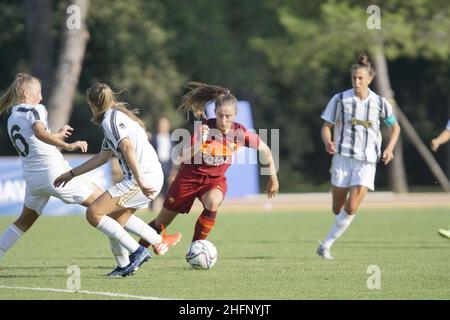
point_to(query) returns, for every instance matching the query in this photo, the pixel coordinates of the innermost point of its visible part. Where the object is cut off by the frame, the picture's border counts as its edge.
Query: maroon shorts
(185, 189)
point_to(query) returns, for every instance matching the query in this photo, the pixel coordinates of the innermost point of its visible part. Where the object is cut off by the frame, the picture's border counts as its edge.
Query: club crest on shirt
(122, 125)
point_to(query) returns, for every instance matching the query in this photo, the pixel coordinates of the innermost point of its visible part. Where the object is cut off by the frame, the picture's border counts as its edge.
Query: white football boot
(324, 252)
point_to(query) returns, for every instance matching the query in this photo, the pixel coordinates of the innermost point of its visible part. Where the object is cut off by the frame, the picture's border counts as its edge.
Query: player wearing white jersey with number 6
(355, 145)
(125, 138)
(42, 162)
(443, 137)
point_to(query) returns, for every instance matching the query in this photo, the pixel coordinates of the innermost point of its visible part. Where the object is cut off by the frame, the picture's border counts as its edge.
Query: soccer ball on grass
(202, 254)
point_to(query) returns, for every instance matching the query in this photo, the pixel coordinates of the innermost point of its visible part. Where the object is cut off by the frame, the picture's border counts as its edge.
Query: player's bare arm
(56, 139)
(388, 153)
(330, 146)
(444, 137)
(126, 146)
(272, 185)
(94, 162)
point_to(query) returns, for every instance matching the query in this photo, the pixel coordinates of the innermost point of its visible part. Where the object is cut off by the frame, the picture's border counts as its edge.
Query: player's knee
(351, 208)
(212, 205)
(336, 209)
(93, 215)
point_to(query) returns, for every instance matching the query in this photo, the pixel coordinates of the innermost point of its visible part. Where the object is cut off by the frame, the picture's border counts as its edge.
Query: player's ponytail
(101, 98)
(16, 91)
(364, 62)
(200, 94)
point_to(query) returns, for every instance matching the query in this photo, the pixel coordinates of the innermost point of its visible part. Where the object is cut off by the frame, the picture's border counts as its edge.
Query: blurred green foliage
(286, 57)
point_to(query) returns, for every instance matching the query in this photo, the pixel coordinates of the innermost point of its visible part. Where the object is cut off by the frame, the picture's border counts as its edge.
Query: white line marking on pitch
(108, 294)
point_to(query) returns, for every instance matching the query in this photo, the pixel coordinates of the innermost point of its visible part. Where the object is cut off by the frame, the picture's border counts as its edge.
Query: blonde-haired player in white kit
(443, 137)
(355, 145)
(42, 162)
(125, 138)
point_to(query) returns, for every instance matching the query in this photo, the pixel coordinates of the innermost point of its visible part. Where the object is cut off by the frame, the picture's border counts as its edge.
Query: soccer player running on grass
(443, 137)
(355, 145)
(42, 162)
(125, 138)
(205, 161)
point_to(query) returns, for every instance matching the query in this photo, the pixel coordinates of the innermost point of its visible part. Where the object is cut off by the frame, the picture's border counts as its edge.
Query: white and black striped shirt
(117, 126)
(36, 155)
(356, 123)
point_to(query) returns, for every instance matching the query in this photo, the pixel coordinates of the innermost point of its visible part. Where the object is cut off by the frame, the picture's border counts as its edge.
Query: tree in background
(285, 57)
(41, 42)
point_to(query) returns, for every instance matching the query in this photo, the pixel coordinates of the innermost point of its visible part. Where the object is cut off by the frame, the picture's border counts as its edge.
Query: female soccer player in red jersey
(205, 161)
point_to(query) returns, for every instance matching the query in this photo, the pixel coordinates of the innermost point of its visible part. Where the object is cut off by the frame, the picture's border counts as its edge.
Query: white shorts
(131, 196)
(39, 188)
(347, 172)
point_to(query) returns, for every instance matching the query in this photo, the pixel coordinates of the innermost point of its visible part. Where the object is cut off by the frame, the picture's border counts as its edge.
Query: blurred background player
(355, 145)
(42, 162)
(205, 160)
(443, 137)
(163, 145)
(125, 137)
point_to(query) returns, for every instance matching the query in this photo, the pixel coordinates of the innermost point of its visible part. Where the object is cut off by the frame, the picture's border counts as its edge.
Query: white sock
(340, 224)
(113, 229)
(120, 253)
(138, 227)
(9, 237)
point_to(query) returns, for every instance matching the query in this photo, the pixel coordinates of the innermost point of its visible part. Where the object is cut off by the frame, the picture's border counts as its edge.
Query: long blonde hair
(101, 98)
(16, 91)
(200, 94)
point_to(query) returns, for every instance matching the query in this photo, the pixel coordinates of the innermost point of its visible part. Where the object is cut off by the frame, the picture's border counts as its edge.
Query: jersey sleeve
(115, 128)
(332, 110)
(105, 145)
(387, 113)
(37, 114)
(448, 125)
(248, 139)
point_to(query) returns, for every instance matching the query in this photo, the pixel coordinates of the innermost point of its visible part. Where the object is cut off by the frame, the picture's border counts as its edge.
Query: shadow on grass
(46, 268)
(249, 258)
(11, 276)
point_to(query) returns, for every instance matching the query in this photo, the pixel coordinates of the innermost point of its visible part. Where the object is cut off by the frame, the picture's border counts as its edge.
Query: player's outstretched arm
(388, 153)
(94, 162)
(57, 139)
(127, 148)
(272, 185)
(444, 137)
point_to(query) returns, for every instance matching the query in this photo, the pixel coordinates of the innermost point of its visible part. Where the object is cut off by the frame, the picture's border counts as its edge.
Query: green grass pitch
(268, 255)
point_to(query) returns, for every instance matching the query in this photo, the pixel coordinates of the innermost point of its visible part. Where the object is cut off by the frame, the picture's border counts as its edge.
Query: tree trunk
(38, 20)
(385, 90)
(68, 70)
(396, 170)
(423, 150)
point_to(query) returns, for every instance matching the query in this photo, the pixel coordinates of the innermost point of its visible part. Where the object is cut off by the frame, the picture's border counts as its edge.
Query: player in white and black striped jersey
(443, 137)
(41, 160)
(355, 144)
(125, 138)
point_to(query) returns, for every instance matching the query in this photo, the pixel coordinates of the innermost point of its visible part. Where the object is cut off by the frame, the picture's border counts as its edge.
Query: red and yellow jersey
(216, 152)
